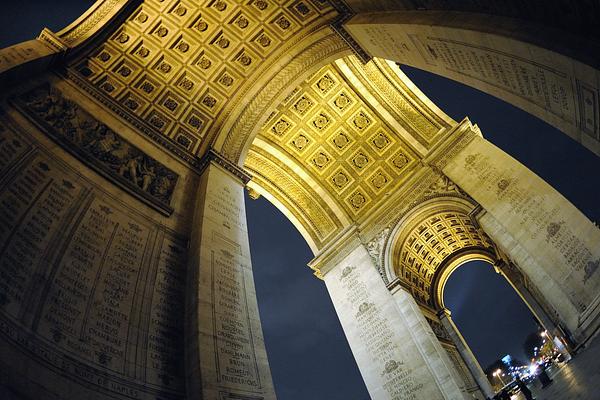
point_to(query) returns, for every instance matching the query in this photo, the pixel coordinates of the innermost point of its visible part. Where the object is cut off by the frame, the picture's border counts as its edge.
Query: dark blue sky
(309, 355)
(488, 312)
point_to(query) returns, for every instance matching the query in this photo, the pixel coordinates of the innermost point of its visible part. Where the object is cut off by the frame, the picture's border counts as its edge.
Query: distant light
(533, 369)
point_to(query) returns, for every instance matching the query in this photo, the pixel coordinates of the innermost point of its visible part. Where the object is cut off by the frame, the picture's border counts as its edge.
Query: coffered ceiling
(204, 74)
(177, 65)
(333, 146)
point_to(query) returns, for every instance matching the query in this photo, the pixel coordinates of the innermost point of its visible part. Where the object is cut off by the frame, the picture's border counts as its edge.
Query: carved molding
(142, 126)
(309, 208)
(52, 40)
(425, 185)
(454, 142)
(216, 158)
(376, 248)
(422, 123)
(345, 14)
(335, 251)
(76, 34)
(439, 330)
(443, 186)
(247, 123)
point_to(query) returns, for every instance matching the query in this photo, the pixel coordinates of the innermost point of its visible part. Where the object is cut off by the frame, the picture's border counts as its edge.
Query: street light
(497, 373)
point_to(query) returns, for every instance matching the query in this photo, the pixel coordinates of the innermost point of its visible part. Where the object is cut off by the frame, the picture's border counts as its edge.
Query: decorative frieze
(99, 147)
(376, 247)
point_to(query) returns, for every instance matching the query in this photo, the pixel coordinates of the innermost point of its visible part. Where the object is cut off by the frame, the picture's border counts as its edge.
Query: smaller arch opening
(430, 244)
(490, 315)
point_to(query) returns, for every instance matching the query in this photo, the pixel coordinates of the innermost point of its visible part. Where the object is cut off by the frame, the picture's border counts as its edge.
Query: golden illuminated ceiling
(333, 148)
(418, 257)
(177, 64)
(331, 132)
(195, 75)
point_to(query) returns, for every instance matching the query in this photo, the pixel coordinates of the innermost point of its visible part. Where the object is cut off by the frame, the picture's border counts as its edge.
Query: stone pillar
(554, 244)
(466, 353)
(225, 351)
(396, 351)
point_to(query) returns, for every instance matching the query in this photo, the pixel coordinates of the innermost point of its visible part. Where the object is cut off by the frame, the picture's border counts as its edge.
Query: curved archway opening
(490, 315)
(303, 335)
(304, 305)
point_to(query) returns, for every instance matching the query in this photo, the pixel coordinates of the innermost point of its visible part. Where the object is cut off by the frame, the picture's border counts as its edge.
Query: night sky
(309, 355)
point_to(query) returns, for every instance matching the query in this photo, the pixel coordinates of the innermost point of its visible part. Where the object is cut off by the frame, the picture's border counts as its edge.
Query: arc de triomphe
(128, 138)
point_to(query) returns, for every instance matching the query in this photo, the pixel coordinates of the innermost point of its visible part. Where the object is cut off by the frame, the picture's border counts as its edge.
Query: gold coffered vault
(346, 144)
(128, 140)
(182, 67)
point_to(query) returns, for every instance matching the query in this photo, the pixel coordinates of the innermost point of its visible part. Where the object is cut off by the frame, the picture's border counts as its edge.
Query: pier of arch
(128, 140)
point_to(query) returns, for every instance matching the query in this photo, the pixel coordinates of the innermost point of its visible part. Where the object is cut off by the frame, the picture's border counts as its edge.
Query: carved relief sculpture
(100, 147)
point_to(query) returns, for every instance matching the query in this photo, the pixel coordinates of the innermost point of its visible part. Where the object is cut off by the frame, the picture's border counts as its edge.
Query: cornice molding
(92, 21)
(142, 126)
(345, 14)
(454, 142)
(213, 157)
(335, 251)
(52, 40)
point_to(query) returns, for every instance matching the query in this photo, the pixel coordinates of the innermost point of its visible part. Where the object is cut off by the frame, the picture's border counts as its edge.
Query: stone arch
(419, 248)
(428, 240)
(425, 247)
(563, 27)
(409, 220)
(126, 133)
(450, 265)
(401, 124)
(532, 66)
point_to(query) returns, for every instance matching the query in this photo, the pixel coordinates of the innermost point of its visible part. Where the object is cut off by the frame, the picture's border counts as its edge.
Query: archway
(303, 336)
(175, 103)
(426, 246)
(476, 289)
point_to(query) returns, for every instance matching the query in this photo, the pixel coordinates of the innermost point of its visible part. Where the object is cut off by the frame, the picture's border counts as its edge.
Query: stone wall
(548, 84)
(553, 243)
(93, 254)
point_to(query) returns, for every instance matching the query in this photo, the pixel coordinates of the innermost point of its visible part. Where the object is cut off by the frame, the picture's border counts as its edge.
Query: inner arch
(485, 307)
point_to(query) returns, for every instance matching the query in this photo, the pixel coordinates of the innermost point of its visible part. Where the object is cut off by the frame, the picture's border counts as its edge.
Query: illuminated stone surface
(126, 141)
